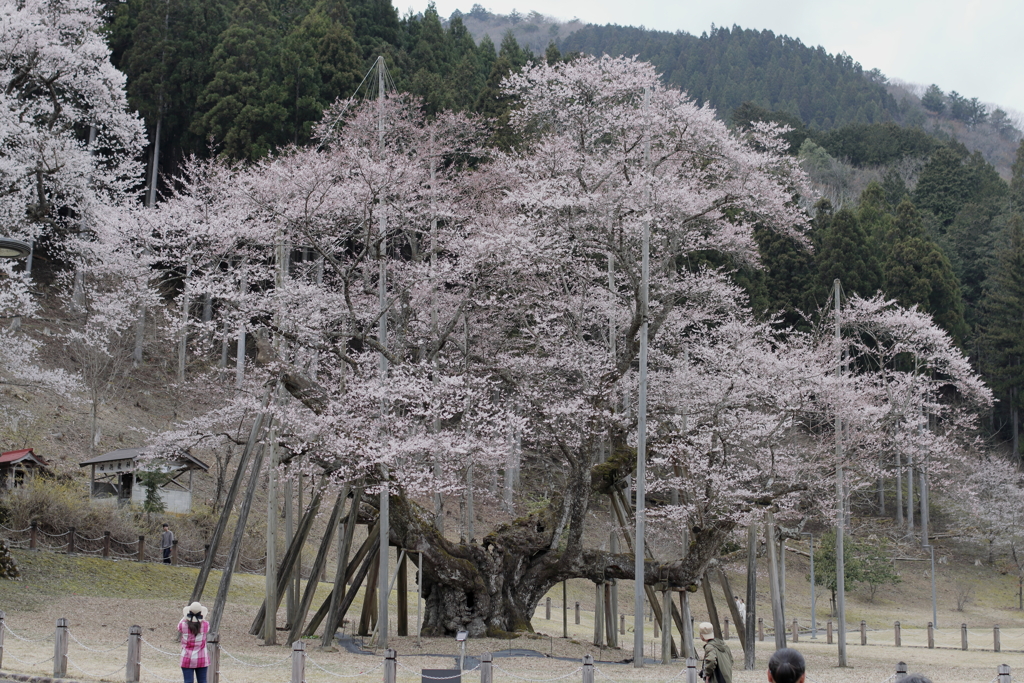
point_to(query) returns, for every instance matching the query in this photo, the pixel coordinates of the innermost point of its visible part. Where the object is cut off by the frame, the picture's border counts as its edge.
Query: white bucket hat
(194, 612)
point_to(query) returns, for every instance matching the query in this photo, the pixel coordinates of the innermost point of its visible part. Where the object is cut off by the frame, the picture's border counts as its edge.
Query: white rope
(72, 663)
(65, 533)
(86, 647)
(598, 671)
(539, 680)
(27, 640)
(257, 666)
(337, 675)
(22, 661)
(156, 675)
(15, 531)
(163, 652)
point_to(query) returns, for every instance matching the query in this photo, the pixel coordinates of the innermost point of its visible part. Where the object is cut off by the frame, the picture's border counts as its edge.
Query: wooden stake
(403, 596)
(302, 608)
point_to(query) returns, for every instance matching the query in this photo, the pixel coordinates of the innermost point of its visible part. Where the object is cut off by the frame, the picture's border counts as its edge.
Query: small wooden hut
(17, 466)
(115, 477)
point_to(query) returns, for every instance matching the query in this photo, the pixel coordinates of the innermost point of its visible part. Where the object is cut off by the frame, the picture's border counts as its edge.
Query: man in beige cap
(717, 657)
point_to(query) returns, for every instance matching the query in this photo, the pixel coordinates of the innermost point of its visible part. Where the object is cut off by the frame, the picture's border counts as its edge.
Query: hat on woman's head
(195, 612)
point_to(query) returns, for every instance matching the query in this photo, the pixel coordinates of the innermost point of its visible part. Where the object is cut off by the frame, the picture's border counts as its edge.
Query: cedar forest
(440, 276)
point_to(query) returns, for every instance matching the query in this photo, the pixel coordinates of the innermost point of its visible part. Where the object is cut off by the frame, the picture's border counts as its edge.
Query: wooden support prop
(734, 610)
(565, 609)
(901, 671)
(213, 651)
(863, 632)
(996, 645)
(3, 627)
(60, 649)
(298, 662)
(142, 548)
(236, 542)
(897, 634)
(350, 596)
(748, 618)
(931, 636)
(666, 636)
(289, 561)
(134, 664)
(778, 619)
(963, 636)
(611, 636)
(709, 599)
(598, 615)
(302, 609)
(368, 617)
(619, 506)
(686, 627)
(588, 669)
(338, 593)
(229, 501)
(403, 595)
(486, 672)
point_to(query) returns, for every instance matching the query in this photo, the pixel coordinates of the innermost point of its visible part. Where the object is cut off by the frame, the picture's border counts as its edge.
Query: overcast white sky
(975, 47)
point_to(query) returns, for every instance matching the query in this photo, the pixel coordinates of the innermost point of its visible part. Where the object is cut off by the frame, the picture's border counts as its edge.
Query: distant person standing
(166, 541)
(193, 627)
(741, 607)
(717, 656)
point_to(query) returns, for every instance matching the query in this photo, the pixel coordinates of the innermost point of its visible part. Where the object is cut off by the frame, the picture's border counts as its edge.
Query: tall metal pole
(382, 338)
(814, 612)
(641, 439)
(935, 612)
(840, 505)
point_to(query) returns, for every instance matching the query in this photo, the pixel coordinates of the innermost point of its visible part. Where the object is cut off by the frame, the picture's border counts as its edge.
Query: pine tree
(916, 272)
(1005, 335)
(243, 106)
(845, 251)
(1017, 181)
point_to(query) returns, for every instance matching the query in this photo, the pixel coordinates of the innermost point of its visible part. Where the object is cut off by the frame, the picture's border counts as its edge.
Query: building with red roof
(16, 466)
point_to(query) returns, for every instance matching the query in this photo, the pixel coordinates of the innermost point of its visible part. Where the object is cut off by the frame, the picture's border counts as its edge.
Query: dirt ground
(102, 623)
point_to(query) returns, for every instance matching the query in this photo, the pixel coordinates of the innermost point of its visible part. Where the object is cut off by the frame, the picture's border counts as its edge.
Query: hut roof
(185, 460)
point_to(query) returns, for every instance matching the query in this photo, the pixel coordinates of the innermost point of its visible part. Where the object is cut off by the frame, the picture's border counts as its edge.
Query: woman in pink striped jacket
(193, 628)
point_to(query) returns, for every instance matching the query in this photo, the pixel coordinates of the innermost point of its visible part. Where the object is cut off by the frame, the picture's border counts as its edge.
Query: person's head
(786, 666)
(707, 631)
(916, 678)
(166, 527)
(194, 615)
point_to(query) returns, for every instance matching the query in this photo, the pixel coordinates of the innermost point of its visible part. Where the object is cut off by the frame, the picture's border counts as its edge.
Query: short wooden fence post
(213, 650)
(901, 671)
(134, 665)
(390, 666)
(2, 629)
(691, 670)
(106, 544)
(828, 632)
(996, 645)
(206, 552)
(760, 629)
(71, 541)
(299, 662)
(588, 669)
(622, 624)
(577, 613)
(547, 608)
(796, 631)
(1003, 673)
(33, 535)
(486, 674)
(931, 636)
(963, 636)
(725, 633)
(60, 649)
(174, 552)
(899, 639)
(863, 632)
(142, 548)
